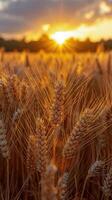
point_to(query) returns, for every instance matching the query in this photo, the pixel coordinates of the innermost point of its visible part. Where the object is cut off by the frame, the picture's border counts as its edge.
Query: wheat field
(55, 126)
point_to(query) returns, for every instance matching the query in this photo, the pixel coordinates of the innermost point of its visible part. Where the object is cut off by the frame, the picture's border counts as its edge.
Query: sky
(30, 18)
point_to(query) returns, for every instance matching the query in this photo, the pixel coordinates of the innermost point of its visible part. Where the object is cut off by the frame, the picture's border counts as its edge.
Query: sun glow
(61, 36)
(104, 8)
(95, 31)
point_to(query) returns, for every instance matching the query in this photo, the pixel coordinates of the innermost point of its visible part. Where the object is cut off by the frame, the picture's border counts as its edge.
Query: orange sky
(95, 29)
(77, 18)
(101, 29)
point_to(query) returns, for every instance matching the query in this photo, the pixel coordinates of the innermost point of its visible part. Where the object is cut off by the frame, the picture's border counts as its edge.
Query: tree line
(48, 45)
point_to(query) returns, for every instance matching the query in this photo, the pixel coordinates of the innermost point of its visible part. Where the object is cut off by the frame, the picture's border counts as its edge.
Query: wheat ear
(48, 189)
(63, 186)
(74, 140)
(58, 102)
(3, 140)
(96, 168)
(107, 186)
(42, 151)
(31, 153)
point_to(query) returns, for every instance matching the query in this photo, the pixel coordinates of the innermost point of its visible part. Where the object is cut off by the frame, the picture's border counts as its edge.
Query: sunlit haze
(60, 20)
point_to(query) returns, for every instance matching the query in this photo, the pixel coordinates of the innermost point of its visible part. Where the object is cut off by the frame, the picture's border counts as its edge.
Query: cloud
(18, 16)
(11, 24)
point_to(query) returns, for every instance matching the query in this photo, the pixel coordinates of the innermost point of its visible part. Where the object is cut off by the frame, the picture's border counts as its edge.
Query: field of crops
(55, 126)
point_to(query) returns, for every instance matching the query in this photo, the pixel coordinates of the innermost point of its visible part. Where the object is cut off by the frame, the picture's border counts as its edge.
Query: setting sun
(61, 37)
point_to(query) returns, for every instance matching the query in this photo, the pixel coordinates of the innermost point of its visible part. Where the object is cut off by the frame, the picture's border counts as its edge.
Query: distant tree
(48, 45)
